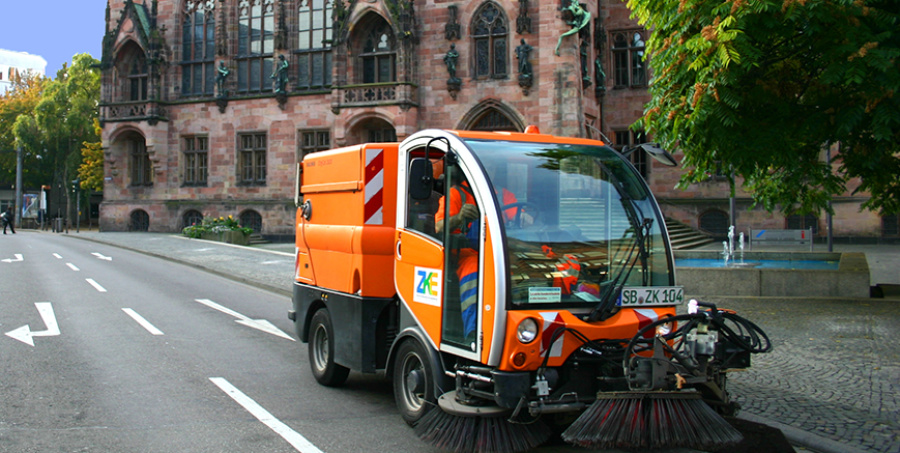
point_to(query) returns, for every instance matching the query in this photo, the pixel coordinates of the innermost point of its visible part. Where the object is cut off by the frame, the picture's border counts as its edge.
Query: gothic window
(629, 67)
(256, 45)
(252, 159)
(313, 53)
(137, 80)
(198, 48)
(494, 120)
(637, 158)
(490, 34)
(196, 160)
(379, 54)
(139, 159)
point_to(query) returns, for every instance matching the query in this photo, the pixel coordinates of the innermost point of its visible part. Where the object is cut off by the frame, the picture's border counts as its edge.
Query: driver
(463, 212)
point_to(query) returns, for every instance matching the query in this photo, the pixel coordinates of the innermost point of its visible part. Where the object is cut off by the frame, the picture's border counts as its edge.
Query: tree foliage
(18, 102)
(50, 119)
(757, 88)
(90, 172)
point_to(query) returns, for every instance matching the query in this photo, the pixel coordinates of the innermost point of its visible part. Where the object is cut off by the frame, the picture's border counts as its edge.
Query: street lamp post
(18, 201)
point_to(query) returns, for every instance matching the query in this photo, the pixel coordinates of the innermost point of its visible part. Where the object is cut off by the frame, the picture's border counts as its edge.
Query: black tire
(413, 379)
(321, 351)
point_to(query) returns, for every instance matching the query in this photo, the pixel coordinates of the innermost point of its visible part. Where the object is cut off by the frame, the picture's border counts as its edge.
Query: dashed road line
(95, 285)
(143, 322)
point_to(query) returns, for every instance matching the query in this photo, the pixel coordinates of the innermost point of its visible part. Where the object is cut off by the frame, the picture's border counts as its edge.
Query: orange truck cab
(541, 284)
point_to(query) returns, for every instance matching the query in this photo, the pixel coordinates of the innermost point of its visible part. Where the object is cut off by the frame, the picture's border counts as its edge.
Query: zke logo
(428, 286)
(427, 283)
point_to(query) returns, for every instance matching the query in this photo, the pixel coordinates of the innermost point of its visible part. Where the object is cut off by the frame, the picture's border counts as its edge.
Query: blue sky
(55, 30)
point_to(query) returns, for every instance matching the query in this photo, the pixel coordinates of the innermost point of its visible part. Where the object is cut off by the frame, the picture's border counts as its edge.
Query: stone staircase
(683, 237)
(257, 239)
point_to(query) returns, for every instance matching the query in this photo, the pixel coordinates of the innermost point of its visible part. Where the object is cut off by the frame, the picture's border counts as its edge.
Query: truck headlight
(527, 331)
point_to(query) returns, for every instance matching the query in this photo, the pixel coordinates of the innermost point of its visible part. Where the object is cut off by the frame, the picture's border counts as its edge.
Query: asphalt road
(139, 365)
(110, 350)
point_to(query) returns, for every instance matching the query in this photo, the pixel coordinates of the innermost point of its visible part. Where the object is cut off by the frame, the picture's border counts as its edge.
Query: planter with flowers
(222, 229)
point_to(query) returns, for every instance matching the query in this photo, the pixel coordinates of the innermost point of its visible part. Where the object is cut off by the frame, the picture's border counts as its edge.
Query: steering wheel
(519, 206)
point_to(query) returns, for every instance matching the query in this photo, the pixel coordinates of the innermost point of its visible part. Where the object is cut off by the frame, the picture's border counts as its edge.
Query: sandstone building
(183, 140)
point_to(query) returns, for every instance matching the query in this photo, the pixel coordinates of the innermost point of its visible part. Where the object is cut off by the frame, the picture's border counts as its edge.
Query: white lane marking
(18, 257)
(73, 267)
(24, 333)
(259, 324)
(143, 322)
(293, 437)
(100, 256)
(58, 256)
(95, 285)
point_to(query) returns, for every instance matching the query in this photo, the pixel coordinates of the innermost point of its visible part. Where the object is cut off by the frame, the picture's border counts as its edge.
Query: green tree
(757, 88)
(90, 172)
(65, 117)
(20, 101)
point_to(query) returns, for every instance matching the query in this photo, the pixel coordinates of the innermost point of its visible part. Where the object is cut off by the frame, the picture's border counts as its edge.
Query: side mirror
(421, 179)
(653, 149)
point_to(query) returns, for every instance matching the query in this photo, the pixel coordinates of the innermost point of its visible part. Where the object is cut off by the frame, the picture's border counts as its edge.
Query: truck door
(459, 223)
(438, 261)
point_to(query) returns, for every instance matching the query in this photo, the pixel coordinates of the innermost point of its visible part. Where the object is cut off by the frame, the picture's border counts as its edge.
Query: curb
(806, 439)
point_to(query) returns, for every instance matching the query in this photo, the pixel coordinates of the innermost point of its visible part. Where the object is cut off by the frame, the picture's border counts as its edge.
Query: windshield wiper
(642, 226)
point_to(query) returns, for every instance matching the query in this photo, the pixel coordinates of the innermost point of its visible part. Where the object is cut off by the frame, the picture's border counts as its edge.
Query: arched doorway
(251, 219)
(140, 221)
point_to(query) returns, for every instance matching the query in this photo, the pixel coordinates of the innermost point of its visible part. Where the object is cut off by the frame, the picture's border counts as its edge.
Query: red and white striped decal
(374, 187)
(552, 321)
(645, 318)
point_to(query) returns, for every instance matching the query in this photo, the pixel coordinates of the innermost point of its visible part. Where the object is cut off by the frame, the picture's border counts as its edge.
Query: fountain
(728, 252)
(773, 273)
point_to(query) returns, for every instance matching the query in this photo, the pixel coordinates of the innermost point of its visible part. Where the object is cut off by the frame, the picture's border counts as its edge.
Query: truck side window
(420, 213)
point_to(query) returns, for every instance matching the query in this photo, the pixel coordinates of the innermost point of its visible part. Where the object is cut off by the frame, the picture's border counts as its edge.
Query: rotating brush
(649, 421)
(487, 432)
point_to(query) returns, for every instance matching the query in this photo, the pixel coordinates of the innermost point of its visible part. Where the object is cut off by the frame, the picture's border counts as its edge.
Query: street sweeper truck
(512, 286)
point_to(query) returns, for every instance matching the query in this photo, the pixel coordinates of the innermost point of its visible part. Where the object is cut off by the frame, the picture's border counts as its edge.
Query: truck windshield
(577, 219)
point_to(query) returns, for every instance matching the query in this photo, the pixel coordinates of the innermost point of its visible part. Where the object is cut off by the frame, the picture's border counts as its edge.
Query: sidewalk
(831, 383)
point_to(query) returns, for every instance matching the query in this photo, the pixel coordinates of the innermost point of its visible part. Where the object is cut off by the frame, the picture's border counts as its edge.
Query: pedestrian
(9, 219)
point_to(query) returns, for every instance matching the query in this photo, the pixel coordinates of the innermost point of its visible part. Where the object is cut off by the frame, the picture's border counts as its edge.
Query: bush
(215, 225)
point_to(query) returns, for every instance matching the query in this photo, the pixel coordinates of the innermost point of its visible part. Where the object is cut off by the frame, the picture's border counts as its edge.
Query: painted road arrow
(259, 324)
(100, 256)
(16, 260)
(24, 333)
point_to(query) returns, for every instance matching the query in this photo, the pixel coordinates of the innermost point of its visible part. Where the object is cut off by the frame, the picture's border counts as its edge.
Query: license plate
(648, 296)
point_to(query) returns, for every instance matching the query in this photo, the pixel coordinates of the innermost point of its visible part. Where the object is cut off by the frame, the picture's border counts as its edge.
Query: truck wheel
(321, 351)
(413, 382)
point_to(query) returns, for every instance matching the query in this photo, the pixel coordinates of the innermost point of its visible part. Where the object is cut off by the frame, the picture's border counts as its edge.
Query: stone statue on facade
(222, 73)
(450, 59)
(280, 75)
(580, 19)
(526, 76)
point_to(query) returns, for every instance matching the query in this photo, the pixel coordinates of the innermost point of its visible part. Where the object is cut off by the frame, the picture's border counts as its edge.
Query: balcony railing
(376, 94)
(149, 111)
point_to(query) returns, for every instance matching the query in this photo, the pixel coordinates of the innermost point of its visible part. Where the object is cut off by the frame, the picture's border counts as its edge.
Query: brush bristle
(479, 434)
(651, 422)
